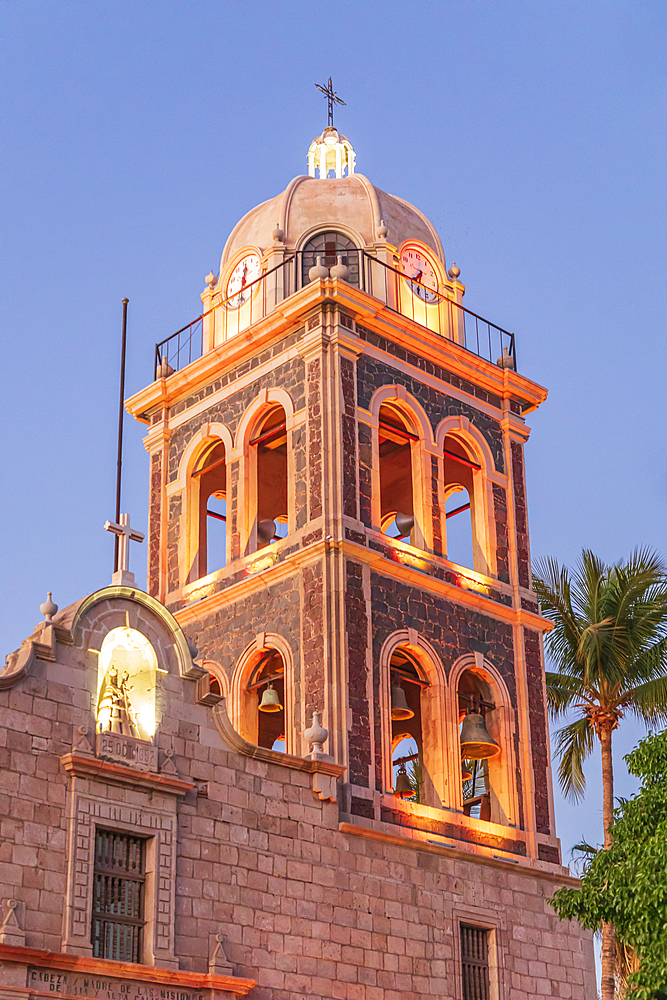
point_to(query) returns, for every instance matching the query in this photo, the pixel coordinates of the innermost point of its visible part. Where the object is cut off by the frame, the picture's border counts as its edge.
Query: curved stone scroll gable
(324, 769)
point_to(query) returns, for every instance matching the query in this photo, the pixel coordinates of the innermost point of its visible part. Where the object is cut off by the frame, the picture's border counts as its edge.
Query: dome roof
(351, 204)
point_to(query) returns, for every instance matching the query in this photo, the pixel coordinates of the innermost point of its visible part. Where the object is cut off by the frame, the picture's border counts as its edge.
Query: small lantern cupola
(331, 151)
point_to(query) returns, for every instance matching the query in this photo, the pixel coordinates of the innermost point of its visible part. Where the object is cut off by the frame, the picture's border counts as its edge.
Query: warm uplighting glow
(409, 559)
(126, 675)
(470, 583)
(264, 562)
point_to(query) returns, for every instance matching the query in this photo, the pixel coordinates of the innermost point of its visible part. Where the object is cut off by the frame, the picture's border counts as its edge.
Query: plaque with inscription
(127, 750)
(74, 984)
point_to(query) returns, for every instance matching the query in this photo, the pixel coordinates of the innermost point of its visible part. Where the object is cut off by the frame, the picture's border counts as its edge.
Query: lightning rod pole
(121, 414)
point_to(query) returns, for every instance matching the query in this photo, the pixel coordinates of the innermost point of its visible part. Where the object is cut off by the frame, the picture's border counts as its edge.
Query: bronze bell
(270, 701)
(266, 531)
(403, 789)
(405, 523)
(466, 773)
(400, 709)
(476, 743)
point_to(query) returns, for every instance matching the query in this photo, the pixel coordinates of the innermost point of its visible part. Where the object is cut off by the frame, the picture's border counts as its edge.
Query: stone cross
(126, 534)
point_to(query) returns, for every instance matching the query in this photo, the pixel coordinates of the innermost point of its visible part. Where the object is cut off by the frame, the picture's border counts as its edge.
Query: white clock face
(417, 266)
(246, 271)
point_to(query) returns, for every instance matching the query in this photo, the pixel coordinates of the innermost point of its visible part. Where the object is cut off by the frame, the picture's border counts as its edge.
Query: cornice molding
(122, 970)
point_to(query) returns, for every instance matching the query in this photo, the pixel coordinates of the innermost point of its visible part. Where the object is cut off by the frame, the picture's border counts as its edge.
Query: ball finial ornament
(48, 608)
(382, 230)
(278, 234)
(211, 280)
(454, 271)
(318, 270)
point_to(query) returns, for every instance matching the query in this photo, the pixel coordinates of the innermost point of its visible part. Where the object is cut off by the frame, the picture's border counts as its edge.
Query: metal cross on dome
(126, 534)
(332, 98)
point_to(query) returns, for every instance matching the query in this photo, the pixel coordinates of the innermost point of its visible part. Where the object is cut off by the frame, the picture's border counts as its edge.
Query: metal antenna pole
(121, 414)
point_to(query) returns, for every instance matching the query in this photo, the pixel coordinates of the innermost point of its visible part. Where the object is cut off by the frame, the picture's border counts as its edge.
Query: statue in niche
(114, 710)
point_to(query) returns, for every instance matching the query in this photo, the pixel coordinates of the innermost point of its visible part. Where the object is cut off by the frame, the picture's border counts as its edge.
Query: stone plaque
(127, 750)
(75, 984)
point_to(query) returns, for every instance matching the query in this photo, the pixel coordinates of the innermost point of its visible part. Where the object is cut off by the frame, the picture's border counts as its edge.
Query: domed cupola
(331, 151)
(345, 203)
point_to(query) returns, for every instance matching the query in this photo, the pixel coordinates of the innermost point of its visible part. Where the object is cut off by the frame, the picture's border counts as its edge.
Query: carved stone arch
(239, 702)
(417, 422)
(480, 489)
(261, 403)
(248, 493)
(461, 426)
(119, 607)
(191, 561)
(207, 432)
(432, 701)
(213, 668)
(414, 411)
(500, 723)
(338, 227)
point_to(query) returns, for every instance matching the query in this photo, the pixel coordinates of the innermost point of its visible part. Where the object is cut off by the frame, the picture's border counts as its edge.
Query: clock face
(246, 271)
(416, 265)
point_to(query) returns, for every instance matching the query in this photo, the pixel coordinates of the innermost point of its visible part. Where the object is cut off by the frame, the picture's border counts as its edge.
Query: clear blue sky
(137, 133)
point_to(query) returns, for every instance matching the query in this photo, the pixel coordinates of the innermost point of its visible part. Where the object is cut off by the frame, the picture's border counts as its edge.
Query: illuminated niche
(126, 677)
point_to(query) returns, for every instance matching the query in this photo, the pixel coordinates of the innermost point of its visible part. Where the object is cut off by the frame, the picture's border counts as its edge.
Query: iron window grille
(475, 962)
(118, 896)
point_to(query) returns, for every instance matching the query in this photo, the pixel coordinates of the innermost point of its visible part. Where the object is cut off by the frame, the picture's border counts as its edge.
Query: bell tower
(338, 516)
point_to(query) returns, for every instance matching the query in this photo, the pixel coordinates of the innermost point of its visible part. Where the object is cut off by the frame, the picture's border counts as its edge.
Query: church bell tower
(338, 513)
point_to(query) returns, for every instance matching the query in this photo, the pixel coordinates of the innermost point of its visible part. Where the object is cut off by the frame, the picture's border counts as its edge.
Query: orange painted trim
(123, 970)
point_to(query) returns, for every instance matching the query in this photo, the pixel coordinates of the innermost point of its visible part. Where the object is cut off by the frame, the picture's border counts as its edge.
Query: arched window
(265, 702)
(209, 504)
(484, 784)
(397, 508)
(461, 514)
(269, 446)
(329, 247)
(126, 679)
(406, 726)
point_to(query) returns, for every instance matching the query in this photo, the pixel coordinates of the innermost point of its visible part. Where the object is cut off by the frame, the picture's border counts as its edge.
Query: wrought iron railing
(435, 309)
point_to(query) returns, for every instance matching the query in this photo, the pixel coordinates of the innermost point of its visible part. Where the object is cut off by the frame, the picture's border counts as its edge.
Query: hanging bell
(405, 523)
(270, 701)
(403, 789)
(265, 532)
(466, 773)
(399, 707)
(476, 743)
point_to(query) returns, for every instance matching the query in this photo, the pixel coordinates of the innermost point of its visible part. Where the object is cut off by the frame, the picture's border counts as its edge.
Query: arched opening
(462, 543)
(126, 679)
(329, 246)
(396, 441)
(480, 747)
(265, 701)
(209, 500)
(406, 683)
(269, 446)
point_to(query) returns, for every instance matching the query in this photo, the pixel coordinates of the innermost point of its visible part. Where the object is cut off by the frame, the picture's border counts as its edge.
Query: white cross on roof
(126, 534)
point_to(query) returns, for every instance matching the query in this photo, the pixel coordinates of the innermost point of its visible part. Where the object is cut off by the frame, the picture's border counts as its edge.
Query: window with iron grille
(118, 896)
(475, 962)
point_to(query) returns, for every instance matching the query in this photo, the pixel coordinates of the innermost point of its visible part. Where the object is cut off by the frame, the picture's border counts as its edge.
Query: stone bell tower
(338, 522)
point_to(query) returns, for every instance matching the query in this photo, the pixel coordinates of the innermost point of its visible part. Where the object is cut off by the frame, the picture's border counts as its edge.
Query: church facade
(312, 759)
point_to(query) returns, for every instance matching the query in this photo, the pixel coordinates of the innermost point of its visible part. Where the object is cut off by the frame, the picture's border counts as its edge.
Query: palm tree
(609, 648)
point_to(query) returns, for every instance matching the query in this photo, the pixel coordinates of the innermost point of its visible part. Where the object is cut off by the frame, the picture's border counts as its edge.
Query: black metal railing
(439, 311)
(226, 318)
(435, 309)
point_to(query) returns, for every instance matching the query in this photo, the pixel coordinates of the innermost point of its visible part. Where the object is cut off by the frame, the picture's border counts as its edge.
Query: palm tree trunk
(608, 942)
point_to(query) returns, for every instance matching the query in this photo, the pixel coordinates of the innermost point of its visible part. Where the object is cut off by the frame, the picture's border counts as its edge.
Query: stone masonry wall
(538, 728)
(305, 909)
(372, 375)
